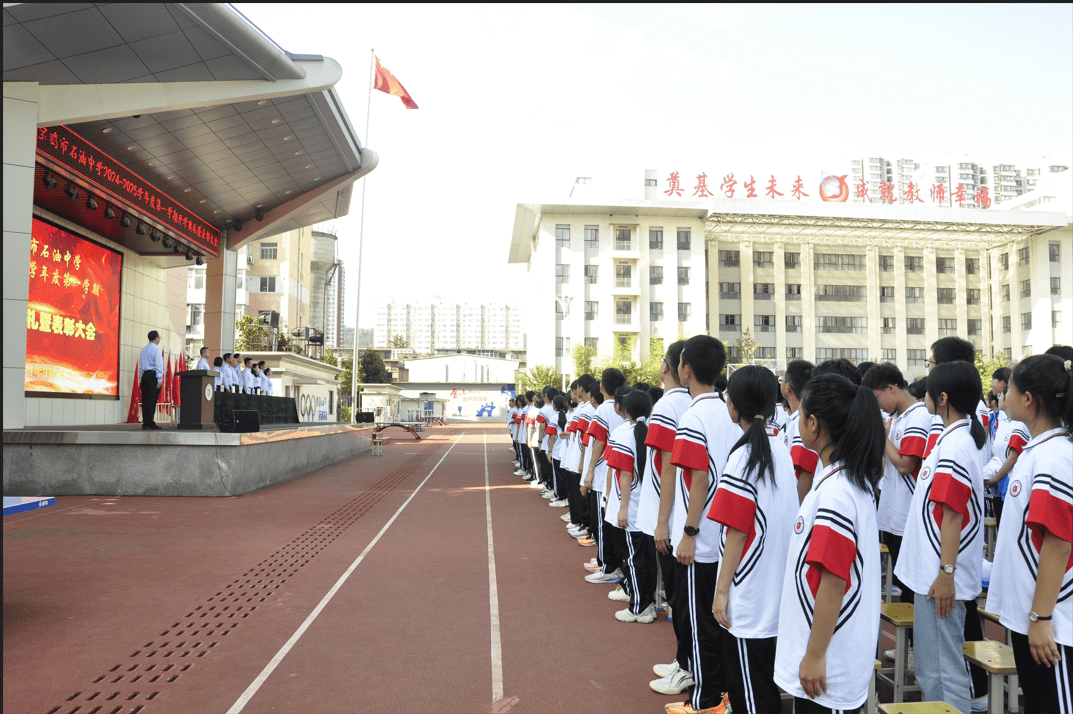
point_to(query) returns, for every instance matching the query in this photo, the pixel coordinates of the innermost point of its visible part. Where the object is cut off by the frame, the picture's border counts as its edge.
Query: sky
(516, 101)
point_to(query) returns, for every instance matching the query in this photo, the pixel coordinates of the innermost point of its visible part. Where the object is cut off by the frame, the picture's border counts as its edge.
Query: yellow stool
(990, 533)
(918, 708)
(888, 572)
(870, 707)
(996, 659)
(901, 616)
(1013, 686)
(378, 446)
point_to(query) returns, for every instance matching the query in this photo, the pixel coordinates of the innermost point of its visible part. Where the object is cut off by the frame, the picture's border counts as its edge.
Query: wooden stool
(918, 708)
(901, 616)
(990, 533)
(1013, 685)
(378, 446)
(996, 659)
(888, 572)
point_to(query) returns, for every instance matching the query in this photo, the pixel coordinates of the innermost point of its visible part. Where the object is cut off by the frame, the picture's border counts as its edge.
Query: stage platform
(125, 460)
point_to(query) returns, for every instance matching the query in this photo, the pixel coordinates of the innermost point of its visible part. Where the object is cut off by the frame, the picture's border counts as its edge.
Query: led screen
(72, 321)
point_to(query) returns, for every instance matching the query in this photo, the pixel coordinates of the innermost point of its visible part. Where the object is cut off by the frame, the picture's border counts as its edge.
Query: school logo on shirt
(1015, 488)
(925, 474)
(800, 525)
(1006, 438)
(898, 434)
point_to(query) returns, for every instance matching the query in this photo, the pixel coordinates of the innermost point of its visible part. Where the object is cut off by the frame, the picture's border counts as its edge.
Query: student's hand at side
(719, 609)
(943, 591)
(687, 547)
(663, 538)
(623, 517)
(1041, 643)
(813, 675)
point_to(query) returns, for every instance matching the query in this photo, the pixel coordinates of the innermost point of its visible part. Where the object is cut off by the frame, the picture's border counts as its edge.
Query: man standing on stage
(203, 362)
(151, 364)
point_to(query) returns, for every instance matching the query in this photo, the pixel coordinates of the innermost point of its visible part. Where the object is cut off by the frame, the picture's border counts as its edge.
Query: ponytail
(760, 458)
(852, 419)
(637, 405)
(559, 404)
(752, 391)
(640, 433)
(961, 383)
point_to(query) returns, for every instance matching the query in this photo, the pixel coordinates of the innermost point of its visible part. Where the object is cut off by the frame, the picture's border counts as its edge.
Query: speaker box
(241, 421)
(365, 417)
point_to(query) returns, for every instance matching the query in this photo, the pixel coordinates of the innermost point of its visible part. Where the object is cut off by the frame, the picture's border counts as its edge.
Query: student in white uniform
(579, 511)
(703, 442)
(943, 541)
(562, 446)
(1031, 587)
(756, 502)
(588, 454)
(794, 382)
(605, 421)
(1010, 437)
(555, 427)
(829, 619)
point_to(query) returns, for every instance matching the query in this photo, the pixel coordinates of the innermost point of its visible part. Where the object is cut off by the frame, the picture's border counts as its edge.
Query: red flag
(175, 388)
(135, 398)
(386, 82)
(165, 389)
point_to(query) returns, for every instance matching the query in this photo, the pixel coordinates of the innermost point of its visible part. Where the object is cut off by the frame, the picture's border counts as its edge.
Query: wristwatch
(691, 531)
(948, 569)
(1033, 617)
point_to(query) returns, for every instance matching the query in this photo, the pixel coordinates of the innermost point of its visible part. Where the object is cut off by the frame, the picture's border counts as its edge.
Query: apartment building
(442, 328)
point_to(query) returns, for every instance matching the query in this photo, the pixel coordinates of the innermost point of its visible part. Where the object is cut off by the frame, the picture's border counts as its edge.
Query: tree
(248, 335)
(399, 342)
(538, 377)
(583, 359)
(746, 347)
(329, 357)
(986, 368)
(373, 369)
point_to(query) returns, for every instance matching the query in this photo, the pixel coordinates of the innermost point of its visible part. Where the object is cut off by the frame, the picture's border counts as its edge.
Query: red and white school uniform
(835, 529)
(662, 428)
(763, 510)
(579, 424)
(909, 434)
(804, 458)
(1010, 437)
(985, 419)
(603, 423)
(636, 551)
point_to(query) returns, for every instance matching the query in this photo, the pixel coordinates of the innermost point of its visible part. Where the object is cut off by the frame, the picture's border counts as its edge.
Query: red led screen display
(72, 321)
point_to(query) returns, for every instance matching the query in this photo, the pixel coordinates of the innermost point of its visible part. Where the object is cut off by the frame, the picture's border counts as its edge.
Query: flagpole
(361, 241)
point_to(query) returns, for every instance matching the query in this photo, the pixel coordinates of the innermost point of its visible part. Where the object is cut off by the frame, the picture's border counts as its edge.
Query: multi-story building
(808, 280)
(335, 307)
(443, 328)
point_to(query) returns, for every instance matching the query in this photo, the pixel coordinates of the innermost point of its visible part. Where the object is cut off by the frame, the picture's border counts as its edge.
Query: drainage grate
(130, 686)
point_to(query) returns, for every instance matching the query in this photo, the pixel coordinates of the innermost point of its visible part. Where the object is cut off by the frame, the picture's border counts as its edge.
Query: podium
(196, 392)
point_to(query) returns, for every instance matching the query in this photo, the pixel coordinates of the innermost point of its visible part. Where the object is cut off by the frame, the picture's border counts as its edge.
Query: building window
(914, 326)
(1004, 293)
(914, 264)
(914, 295)
(1004, 261)
(765, 353)
(890, 355)
(886, 263)
(558, 310)
(592, 236)
(560, 347)
(852, 354)
(791, 261)
(944, 265)
(973, 297)
(888, 325)
(562, 273)
(1005, 324)
(839, 261)
(684, 240)
(730, 291)
(1056, 319)
(195, 313)
(268, 251)
(764, 259)
(947, 295)
(1026, 288)
(1056, 286)
(1055, 252)
(732, 354)
(623, 312)
(268, 285)
(947, 327)
(655, 311)
(793, 291)
(730, 323)
(623, 241)
(826, 323)
(655, 275)
(886, 294)
(683, 276)
(917, 358)
(975, 326)
(592, 343)
(592, 310)
(764, 323)
(592, 274)
(1022, 256)
(793, 323)
(1009, 353)
(655, 238)
(623, 275)
(729, 258)
(840, 293)
(794, 353)
(972, 266)
(763, 291)
(1026, 321)
(562, 236)
(685, 309)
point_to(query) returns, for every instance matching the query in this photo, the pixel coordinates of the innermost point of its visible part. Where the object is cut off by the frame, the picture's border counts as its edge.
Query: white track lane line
(251, 690)
(493, 591)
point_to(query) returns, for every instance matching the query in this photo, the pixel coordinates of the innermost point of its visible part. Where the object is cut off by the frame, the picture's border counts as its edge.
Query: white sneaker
(666, 670)
(535, 484)
(519, 472)
(600, 577)
(547, 495)
(674, 684)
(618, 595)
(561, 503)
(565, 518)
(649, 615)
(910, 667)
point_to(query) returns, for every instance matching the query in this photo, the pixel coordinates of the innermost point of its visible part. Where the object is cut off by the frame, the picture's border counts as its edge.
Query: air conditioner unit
(249, 260)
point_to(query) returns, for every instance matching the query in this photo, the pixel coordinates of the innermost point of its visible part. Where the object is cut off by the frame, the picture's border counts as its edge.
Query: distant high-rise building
(431, 327)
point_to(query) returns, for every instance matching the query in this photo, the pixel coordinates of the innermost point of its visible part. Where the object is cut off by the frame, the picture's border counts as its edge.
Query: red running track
(145, 605)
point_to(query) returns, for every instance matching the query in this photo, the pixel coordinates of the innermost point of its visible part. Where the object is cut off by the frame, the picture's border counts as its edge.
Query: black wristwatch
(1033, 617)
(691, 531)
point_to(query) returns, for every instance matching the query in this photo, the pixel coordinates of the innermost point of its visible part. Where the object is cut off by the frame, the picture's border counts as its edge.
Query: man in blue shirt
(151, 366)
(203, 362)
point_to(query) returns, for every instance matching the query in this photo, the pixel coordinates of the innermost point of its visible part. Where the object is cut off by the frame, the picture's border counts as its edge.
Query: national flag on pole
(385, 81)
(135, 399)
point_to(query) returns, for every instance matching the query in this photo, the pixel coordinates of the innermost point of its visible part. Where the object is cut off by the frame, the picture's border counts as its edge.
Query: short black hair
(918, 388)
(1002, 374)
(706, 356)
(268, 370)
(218, 362)
(261, 363)
(237, 355)
(841, 366)
(863, 367)
(1063, 351)
(674, 356)
(882, 376)
(153, 334)
(227, 355)
(798, 373)
(203, 350)
(247, 360)
(611, 379)
(952, 349)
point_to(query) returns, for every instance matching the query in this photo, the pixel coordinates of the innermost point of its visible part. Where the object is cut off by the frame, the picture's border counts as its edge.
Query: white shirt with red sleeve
(951, 476)
(512, 422)
(1039, 498)
(572, 462)
(701, 446)
(662, 428)
(1010, 437)
(605, 421)
(909, 434)
(803, 457)
(763, 511)
(623, 457)
(548, 421)
(985, 419)
(531, 413)
(835, 531)
(559, 450)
